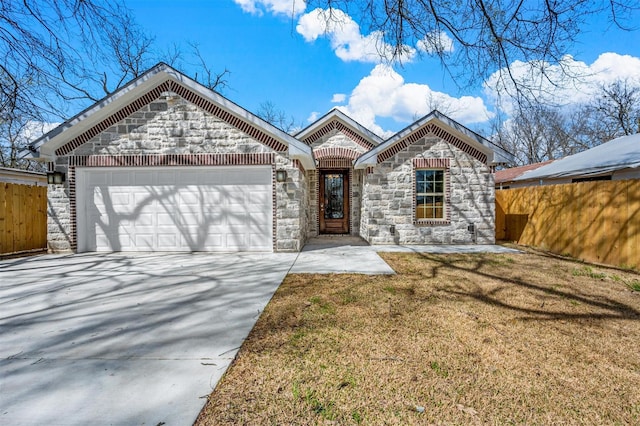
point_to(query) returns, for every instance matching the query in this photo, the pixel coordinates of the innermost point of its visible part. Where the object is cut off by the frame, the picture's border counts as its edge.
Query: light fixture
(55, 178)
(281, 175)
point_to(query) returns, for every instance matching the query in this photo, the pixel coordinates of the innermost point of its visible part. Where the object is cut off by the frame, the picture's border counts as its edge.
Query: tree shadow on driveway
(124, 338)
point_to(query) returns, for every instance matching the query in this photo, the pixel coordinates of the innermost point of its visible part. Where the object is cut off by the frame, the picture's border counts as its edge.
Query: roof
(22, 177)
(45, 146)
(507, 175)
(620, 153)
(319, 127)
(495, 155)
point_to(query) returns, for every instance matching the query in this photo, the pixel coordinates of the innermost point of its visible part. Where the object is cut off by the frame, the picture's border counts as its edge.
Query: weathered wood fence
(594, 221)
(23, 218)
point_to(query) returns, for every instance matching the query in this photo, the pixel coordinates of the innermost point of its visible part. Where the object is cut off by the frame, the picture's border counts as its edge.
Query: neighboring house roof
(508, 175)
(147, 88)
(438, 124)
(337, 120)
(620, 153)
(22, 177)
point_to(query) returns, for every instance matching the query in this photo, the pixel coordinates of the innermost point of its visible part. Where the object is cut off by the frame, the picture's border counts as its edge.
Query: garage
(213, 209)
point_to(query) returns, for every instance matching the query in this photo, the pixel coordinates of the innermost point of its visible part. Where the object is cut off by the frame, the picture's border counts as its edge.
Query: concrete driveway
(124, 339)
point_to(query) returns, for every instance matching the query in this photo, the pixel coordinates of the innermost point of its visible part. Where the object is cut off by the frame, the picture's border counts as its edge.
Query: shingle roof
(507, 175)
(620, 153)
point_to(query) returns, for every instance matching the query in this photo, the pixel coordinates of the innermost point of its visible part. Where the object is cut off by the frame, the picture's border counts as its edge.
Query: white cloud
(313, 116)
(385, 94)
(275, 7)
(338, 98)
(346, 39)
(436, 42)
(34, 129)
(569, 83)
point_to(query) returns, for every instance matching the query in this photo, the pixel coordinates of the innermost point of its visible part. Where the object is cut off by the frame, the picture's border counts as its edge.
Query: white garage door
(174, 209)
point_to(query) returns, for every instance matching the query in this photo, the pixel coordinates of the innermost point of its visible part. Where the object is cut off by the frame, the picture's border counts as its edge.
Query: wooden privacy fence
(594, 221)
(23, 218)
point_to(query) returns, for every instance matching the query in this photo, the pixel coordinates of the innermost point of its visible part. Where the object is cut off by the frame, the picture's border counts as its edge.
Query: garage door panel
(189, 197)
(236, 241)
(213, 241)
(259, 240)
(143, 241)
(169, 241)
(174, 209)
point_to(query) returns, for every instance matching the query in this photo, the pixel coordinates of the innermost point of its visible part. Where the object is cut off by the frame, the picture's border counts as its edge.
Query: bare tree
(535, 133)
(614, 112)
(270, 113)
(59, 56)
(538, 132)
(489, 35)
(619, 107)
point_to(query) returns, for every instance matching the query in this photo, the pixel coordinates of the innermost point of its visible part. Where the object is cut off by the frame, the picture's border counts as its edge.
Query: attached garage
(166, 164)
(213, 209)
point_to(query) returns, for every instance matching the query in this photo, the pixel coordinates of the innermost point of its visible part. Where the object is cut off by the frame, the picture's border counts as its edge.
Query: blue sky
(303, 70)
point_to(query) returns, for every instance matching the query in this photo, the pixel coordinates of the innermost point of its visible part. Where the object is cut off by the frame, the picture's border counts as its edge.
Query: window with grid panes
(430, 196)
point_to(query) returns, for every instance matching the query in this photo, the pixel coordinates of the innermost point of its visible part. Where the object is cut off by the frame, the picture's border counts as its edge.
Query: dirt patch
(464, 339)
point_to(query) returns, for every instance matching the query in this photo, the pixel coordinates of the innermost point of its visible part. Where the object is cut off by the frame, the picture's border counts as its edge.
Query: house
(165, 164)
(504, 179)
(618, 159)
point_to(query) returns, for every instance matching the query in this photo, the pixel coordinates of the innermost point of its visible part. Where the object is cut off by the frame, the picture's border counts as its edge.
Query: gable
(337, 126)
(336, 121)
(156, 93)
(427, 131)
(440, 126)
(149, 87)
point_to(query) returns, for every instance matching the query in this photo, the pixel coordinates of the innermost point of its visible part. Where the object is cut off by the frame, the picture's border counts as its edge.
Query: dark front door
(334, 201)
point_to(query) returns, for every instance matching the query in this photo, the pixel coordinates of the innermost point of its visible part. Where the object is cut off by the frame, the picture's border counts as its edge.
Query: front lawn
(451, 339)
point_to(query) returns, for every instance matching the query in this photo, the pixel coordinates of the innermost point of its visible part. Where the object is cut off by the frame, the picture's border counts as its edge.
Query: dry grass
(451, 339)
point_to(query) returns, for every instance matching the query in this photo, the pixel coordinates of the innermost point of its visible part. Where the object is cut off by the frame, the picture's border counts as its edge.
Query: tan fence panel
(595, 221)
(23, 218)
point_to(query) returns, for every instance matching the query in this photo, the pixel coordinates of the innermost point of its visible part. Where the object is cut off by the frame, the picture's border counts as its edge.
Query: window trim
(432, 164)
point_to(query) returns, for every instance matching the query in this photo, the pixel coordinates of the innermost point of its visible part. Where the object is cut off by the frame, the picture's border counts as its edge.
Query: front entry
(334, 202)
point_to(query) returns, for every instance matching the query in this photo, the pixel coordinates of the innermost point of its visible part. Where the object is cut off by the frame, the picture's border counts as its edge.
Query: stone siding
(172, 125)
(291, 208)
(337, 139)
(388, 199)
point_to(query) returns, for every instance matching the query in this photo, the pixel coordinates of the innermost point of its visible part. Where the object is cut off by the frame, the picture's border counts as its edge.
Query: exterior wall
(336, 140)
(356, 200)
(172, 129)
(22, 177)
(626, 174)
(388, 198)
(291, 207)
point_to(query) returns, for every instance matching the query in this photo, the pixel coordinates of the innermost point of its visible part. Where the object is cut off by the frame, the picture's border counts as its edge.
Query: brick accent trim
(274, 203)
(336, 152)
(154, 160)
(433, 163)
(436, 163)
(334, 163)
(186, 94)
(164, 160)
(336, 125)
(431, 130)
